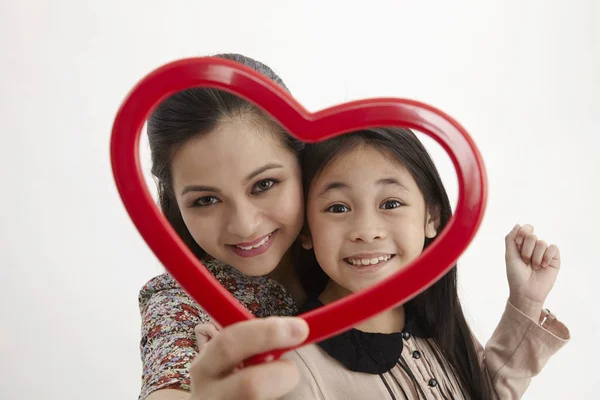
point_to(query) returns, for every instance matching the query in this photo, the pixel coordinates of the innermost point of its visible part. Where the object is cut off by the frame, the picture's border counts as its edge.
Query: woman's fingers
(243, 340)
(204, 333)
(271, 380)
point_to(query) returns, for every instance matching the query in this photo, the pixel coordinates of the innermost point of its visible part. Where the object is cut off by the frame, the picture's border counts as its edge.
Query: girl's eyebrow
(335, 185)
(393, 182)
(338, 185)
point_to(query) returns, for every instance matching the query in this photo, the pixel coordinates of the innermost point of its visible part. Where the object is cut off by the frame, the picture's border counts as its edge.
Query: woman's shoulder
(168, 343)
(165, 307)
(263, 296)
(162, 284)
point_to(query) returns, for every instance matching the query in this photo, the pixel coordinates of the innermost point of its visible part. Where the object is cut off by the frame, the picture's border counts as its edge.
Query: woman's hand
(531, 267)
(215, 374)
(204, 333)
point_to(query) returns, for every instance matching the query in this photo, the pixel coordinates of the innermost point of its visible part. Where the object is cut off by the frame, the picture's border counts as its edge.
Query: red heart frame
(238, 79)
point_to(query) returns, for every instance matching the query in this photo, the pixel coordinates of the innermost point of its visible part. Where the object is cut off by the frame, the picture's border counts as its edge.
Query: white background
(522, 76)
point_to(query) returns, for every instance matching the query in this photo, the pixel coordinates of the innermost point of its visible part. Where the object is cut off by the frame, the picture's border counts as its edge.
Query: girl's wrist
(531, 308)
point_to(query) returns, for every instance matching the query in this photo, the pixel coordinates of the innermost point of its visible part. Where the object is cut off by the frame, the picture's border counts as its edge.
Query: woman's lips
(255, 247)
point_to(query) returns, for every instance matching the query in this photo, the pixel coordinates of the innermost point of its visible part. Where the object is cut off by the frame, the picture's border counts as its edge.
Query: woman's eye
(391, 204)
(338, 209)
(205, 201)
(263, 185)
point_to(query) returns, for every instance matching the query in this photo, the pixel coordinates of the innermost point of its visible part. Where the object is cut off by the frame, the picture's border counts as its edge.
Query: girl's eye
(338, 209)
(205, 201)
(391, 204)
(264, 185)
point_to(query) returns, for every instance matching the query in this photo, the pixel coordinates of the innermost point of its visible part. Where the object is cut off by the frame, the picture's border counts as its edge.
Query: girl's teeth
(368, 261)
(262, 242)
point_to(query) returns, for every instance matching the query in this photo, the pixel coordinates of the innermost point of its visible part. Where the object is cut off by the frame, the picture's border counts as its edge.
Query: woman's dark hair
(197, 111)
(437, 310)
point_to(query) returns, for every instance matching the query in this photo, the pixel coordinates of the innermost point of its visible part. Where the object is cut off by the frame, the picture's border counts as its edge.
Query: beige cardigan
(517, 351)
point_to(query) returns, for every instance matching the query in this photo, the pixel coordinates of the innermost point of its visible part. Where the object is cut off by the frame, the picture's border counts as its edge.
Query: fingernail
(298, 329)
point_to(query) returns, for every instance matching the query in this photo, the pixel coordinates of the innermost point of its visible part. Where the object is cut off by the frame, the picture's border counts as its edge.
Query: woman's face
(239, 190)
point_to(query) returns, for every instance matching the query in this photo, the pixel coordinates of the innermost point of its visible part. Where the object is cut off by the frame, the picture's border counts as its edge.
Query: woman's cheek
(289, 204)
(202, 229)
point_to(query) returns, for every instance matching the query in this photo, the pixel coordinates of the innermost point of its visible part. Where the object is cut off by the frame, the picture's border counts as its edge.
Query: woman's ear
(433, 222)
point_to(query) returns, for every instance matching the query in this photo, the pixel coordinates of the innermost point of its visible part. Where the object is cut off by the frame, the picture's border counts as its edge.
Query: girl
(374, 202)
(229, 182)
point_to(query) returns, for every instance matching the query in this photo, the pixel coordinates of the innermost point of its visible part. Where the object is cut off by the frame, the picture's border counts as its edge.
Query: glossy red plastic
(310, 127)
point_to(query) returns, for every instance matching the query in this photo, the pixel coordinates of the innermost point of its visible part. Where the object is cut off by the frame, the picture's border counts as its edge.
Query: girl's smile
(365, 259)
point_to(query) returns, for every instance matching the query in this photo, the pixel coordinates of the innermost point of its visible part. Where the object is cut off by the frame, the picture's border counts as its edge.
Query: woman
(229, 182)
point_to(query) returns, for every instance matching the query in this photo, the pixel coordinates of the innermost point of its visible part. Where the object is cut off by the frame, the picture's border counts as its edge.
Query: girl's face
(239, 190)
(367, 219)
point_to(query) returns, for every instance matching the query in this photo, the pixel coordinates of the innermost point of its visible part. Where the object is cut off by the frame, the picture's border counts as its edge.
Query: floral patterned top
(169, 315)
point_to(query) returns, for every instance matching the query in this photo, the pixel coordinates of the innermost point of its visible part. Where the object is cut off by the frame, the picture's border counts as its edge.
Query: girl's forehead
(364, 159)
(363, 167)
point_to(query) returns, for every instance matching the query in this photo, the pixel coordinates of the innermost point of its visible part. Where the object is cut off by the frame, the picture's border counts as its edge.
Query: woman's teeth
(257, 245)
(368, 261)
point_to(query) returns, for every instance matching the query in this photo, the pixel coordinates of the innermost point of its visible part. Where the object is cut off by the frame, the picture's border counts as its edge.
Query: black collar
(372, 353)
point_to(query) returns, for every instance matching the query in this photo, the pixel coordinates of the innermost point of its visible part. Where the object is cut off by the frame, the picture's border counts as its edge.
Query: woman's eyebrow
(253, 174)
(262, 169)
(199, 188)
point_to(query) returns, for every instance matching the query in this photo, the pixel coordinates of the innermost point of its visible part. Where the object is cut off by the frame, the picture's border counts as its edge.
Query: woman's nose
(244, 221)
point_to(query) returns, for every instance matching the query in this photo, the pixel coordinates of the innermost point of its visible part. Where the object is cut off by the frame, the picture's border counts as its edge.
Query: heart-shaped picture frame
(435, 261)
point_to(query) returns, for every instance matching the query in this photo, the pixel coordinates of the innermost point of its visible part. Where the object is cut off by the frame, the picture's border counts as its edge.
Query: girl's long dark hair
(437, 309)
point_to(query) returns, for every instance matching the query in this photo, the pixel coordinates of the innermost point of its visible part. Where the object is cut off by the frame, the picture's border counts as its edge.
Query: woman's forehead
(231, 150)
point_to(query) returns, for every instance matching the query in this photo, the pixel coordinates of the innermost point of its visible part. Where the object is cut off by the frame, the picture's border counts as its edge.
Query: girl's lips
(370, 255)
(371, 263)
(368, 258)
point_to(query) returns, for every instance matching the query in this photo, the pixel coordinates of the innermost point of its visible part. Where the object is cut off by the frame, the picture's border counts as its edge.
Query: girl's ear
(306, 241)
(305, 238)
(433, 222)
